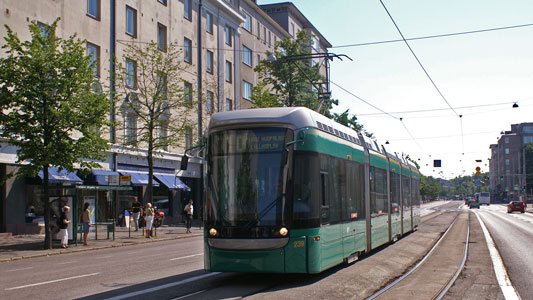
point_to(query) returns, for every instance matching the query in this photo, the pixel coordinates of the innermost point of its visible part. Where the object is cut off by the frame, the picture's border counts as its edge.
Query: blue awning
(172, 182)
(139, 179)
(54, 176)
(104, 177)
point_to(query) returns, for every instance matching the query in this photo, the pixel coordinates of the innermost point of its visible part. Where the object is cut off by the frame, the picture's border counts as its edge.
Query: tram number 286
(298, 244)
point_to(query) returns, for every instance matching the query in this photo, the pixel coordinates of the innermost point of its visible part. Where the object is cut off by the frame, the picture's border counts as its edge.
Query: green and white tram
(291, 191)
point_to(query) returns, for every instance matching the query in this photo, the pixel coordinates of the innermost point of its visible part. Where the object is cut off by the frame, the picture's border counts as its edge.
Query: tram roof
(296, 118)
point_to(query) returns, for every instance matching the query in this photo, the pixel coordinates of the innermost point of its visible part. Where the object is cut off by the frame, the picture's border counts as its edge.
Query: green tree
(49, 110)
(287, 81)
(158, 106)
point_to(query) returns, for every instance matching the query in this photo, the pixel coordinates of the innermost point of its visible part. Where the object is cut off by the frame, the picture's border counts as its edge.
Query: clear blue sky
(470, 70)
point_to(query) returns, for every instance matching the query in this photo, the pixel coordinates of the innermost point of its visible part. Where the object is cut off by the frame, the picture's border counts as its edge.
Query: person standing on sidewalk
(85, 222)
(63, 225)
(189, 210)
(136, 211)
(149, 211)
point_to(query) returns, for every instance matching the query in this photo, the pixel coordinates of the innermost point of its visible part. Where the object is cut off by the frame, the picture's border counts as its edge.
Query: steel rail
(392, 284)
(461, 267)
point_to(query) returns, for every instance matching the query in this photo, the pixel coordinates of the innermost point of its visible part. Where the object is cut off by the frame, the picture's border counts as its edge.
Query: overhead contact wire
(416, 57)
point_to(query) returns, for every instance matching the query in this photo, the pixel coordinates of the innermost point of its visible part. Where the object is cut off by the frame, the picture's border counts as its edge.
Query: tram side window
(355, 182)
(324, 190)
(395, 192)
(406, 191)
(306, 190)
(335, 198)
(378, 192)
(340, 187)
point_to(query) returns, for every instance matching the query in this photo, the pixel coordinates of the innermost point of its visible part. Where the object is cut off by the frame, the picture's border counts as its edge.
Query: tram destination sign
(247, 141)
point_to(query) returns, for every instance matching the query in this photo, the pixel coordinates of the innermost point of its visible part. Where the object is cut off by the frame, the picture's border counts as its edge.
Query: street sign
(125, 180)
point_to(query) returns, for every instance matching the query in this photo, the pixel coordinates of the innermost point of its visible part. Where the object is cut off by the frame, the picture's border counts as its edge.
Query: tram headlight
(283, 231)
(213, 232)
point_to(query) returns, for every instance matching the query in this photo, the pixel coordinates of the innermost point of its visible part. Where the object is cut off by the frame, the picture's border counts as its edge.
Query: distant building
(507, 173)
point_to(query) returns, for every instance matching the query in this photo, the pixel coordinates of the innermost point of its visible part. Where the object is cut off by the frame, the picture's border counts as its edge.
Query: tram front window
(246, 181)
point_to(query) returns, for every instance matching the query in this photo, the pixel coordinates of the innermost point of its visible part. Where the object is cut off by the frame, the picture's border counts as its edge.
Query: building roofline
(263, 14)
(302, 18)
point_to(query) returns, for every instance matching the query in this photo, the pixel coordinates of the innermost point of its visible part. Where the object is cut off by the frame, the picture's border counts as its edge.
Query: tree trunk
(150, 172)
(46, 201)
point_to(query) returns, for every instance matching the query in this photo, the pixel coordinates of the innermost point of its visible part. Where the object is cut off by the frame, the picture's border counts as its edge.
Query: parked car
(473, 203)
(516, 206)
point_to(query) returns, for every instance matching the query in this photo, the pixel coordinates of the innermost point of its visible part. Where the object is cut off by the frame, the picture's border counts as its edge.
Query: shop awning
(104, 177)
(172, 182)
(139, 179)
(54, 176)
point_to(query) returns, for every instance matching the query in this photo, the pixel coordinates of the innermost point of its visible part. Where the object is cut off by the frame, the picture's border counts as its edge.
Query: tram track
(435, 269)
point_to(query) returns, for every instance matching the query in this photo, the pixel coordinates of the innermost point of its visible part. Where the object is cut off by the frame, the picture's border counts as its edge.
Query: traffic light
(501, 178)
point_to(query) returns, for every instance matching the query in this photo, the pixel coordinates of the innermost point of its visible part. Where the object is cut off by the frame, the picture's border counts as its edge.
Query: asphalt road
(174, 270)
(80, 274)
(513, 235)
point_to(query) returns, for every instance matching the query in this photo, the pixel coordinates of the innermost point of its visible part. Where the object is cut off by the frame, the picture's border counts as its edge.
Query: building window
(258, 30)
(248, 22)
(247, 55)
(246, 90)
(188, 50)
(43, 29)
(188, 138)
(229, 74)
(187, 90)
(163, 135)
(527, 129)
(131, 128)
(161, 37)
(275, 40)
(292, 30)
(93, 51)
(210, 102)
(229, 104)
(164, 2)
(162, 86)
(506, 150)
(187, 10)
(269, 38)
(264, 35)
(131, 73)
(527, 139)
(506, 140)
(93, 9)
(209, 22)
(209, 62)
(258, 59)
(507, 162)
(131, 21)
(228, 35)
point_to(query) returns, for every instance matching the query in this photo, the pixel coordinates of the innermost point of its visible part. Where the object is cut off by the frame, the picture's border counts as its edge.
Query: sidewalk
(28, 246)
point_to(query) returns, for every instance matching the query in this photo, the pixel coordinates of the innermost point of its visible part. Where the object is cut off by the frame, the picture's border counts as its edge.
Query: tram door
(355, 209)
(406, 201)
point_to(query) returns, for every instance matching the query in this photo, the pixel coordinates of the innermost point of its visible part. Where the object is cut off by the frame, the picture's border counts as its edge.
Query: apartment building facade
(221, 41)
(507, 162)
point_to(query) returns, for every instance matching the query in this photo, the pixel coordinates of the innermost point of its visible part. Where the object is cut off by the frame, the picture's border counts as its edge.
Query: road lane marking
(188, 256)
(51, 281)
(19, 269)
(67, 262)
(506, 286)
(189, 295)
(164, 286)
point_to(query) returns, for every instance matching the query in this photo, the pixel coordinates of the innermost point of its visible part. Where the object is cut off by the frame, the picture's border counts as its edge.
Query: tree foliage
(49, 110)
(154, 94)
(287, 81)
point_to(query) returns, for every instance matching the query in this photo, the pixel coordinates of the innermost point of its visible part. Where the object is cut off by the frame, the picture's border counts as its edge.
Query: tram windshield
(246, 179)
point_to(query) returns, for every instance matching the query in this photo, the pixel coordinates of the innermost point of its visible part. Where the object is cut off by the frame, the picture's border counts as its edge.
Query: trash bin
(111, 227)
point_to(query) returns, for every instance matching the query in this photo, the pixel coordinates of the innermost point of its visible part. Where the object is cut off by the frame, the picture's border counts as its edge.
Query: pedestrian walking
(63, 225)
(85, 222)
(149, 211)
(189, 210)
(136, 212)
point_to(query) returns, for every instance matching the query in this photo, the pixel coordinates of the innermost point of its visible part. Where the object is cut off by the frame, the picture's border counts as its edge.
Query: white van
(484, 198)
